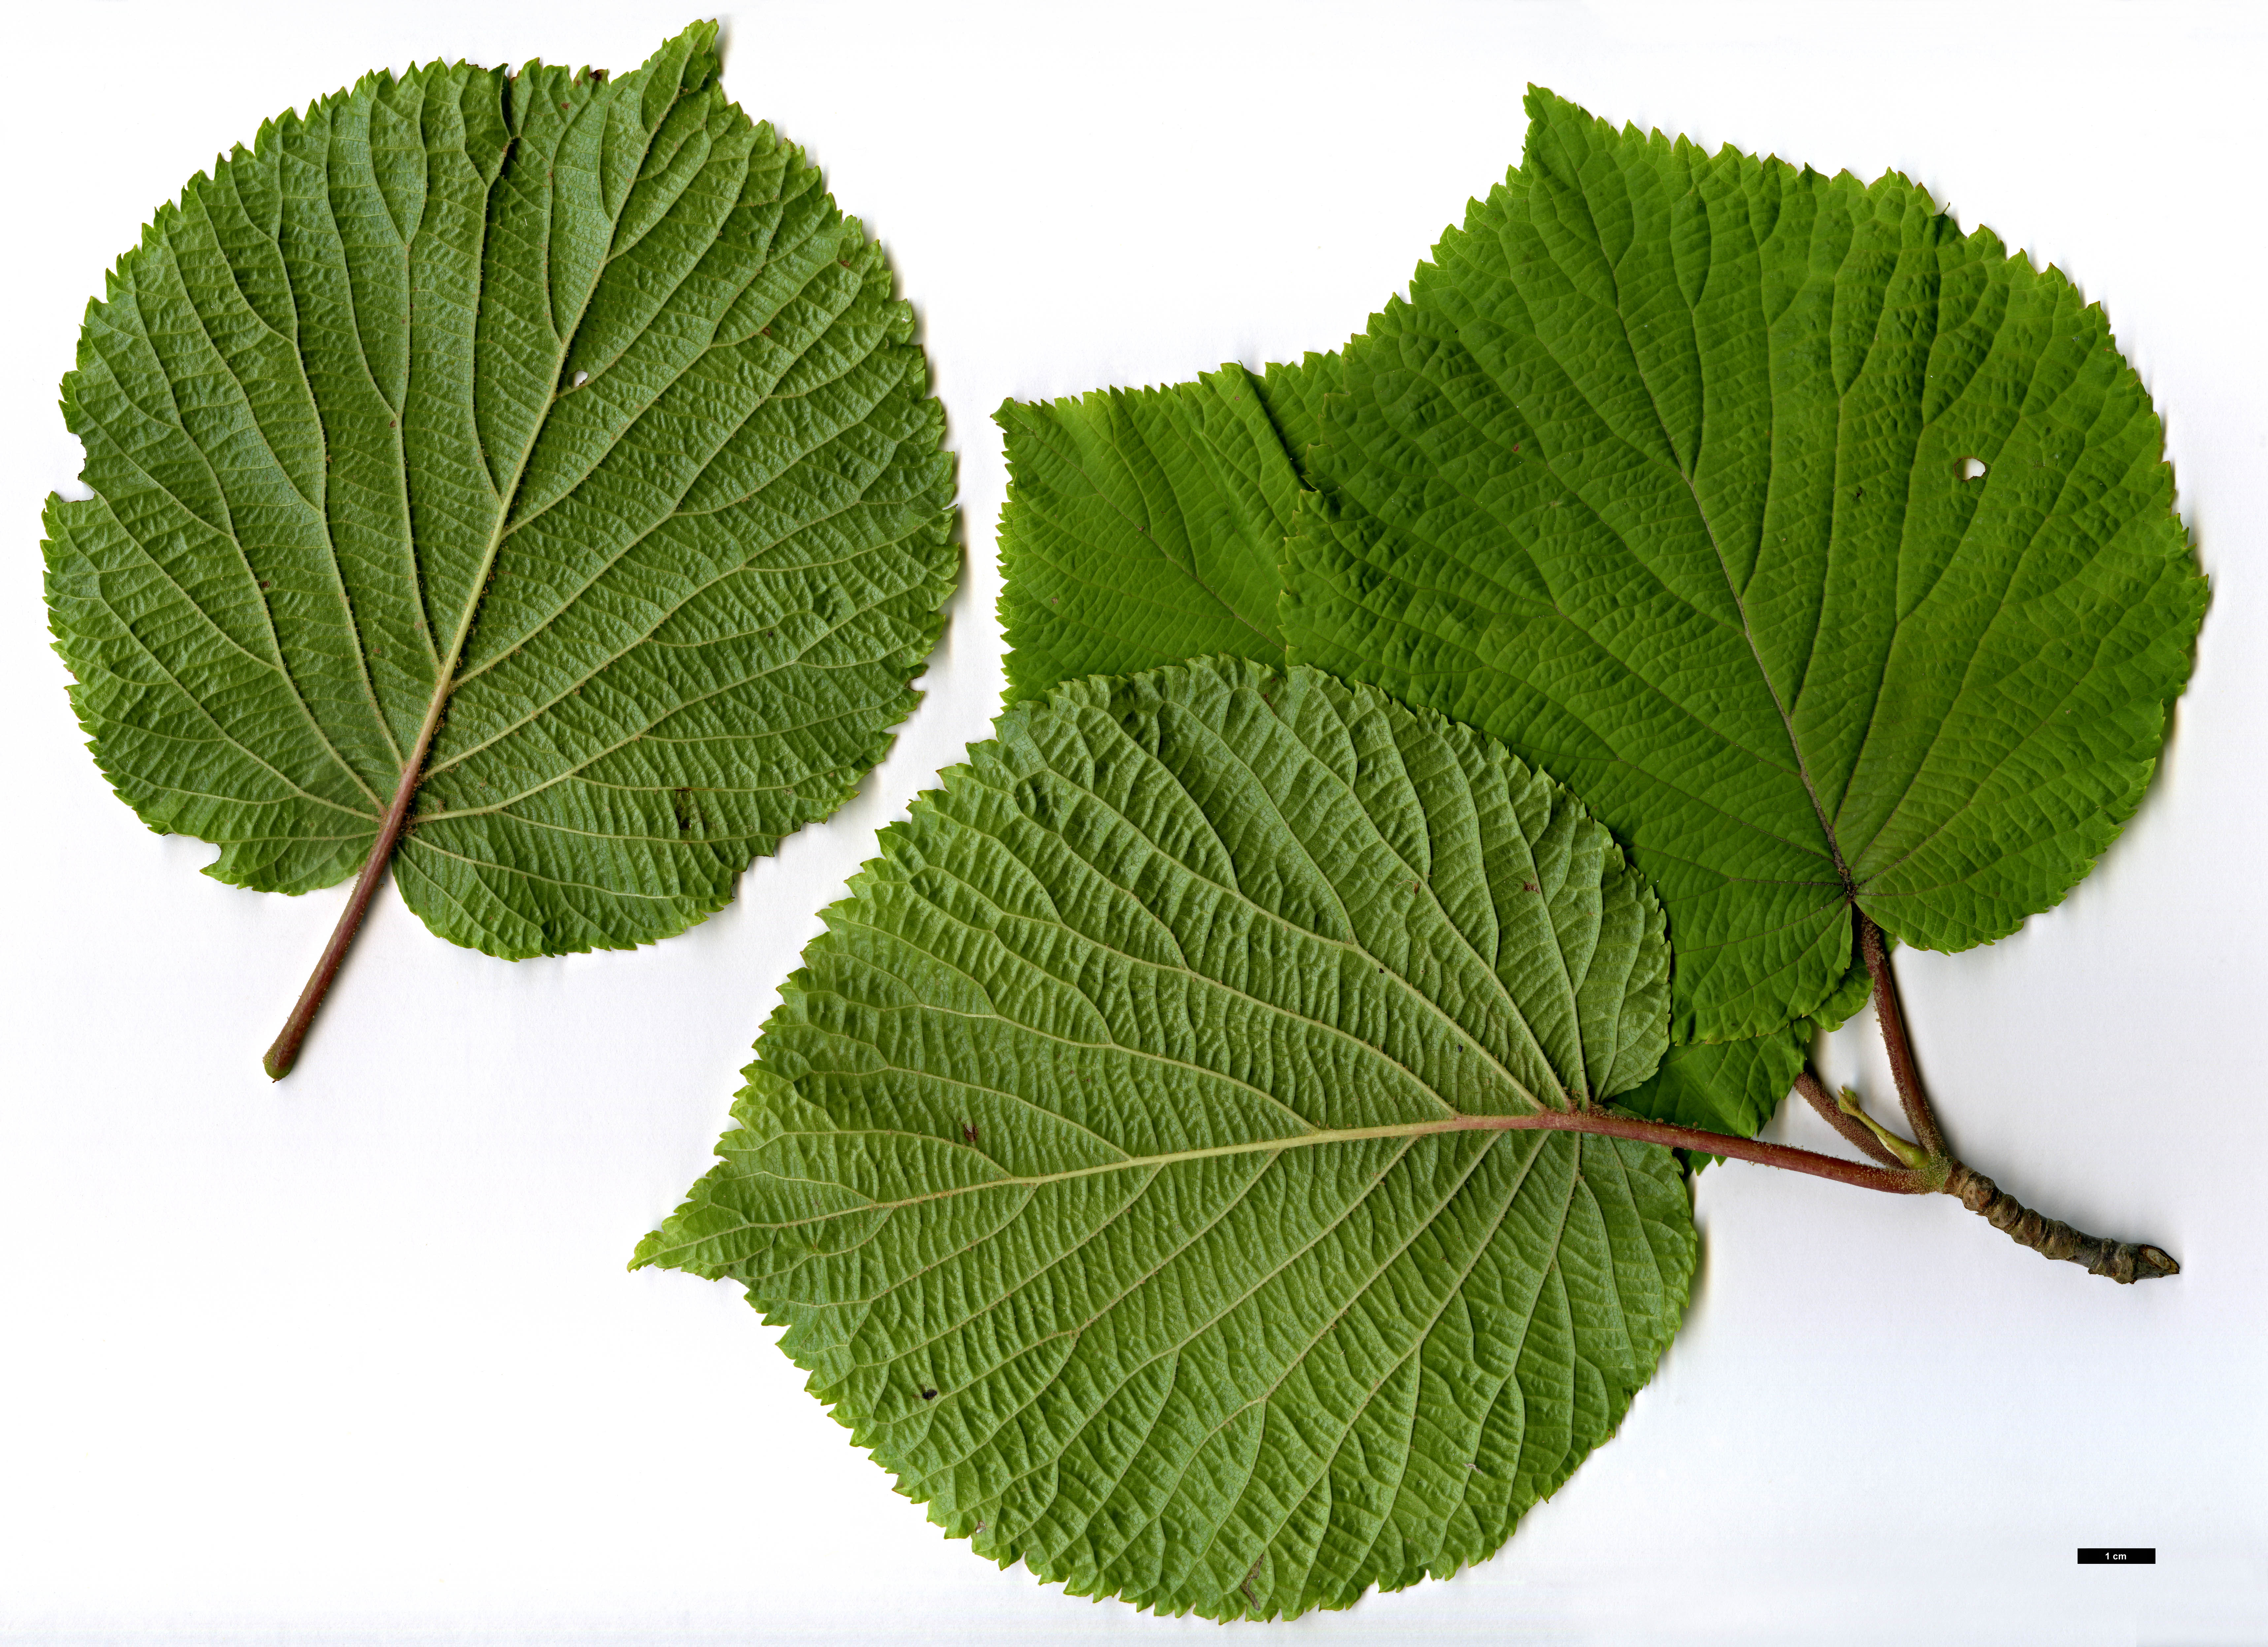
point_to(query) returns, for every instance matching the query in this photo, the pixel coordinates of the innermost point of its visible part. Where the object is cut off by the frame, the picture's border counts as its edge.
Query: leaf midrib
(413, 771)
(1709, 528)
(1548, 1121)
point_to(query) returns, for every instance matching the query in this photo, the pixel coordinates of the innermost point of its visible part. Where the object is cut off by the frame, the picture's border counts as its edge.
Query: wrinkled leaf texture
(563, 416)
(1112, 1164)
(1667, 474)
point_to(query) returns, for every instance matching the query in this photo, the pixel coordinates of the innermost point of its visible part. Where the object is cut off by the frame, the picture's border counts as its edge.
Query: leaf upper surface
(561, 420)
(1668, 473)
(1121, 1161)
(1142, 527)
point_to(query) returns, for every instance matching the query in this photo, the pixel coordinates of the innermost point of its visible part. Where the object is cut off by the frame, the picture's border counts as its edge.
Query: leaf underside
(1099, 1159)
(1664, 475)
(564, 416)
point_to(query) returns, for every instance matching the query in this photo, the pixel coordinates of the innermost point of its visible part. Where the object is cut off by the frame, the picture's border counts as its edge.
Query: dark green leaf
(1828, 552)
(1663, 474)
(1142, 527)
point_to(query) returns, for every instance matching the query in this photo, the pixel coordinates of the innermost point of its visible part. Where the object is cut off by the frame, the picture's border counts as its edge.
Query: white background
(355, 1358)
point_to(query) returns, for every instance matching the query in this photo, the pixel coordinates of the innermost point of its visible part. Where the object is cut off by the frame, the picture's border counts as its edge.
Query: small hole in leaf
(581, 378)
(929, 1395)
(1972, 468)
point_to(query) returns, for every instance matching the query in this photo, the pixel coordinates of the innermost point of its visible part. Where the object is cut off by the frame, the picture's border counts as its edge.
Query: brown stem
(1896, 1181)
(286, 1051)
(1892, 1018)
(1851, 1127)
(2122, 1262)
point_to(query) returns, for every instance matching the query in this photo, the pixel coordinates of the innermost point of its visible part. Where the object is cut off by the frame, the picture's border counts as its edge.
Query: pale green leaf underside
(572, 408)
(1103, 1161)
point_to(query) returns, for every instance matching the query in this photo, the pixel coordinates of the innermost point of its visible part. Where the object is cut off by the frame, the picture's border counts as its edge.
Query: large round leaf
(1130, 1162)
(547, 441)
(1826, 551)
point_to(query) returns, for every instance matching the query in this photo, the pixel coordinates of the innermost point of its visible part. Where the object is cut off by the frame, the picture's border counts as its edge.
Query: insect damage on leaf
(1143, 1172)
(528, 479)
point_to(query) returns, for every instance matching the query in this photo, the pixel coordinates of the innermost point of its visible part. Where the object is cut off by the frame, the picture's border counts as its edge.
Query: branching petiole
(1929, 1165)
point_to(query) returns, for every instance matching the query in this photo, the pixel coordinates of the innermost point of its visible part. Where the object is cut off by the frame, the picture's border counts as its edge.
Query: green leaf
(1735, 1085)
(1730, 1086)
(559, 421)
(1138, 1164)
(1058, 516)
(1662, 475)
(1142, 527)
(1667, 474)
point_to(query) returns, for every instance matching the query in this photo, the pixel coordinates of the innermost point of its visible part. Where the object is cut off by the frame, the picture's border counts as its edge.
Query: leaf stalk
(1930, 1165)
(284, 1051)
(1895, 1181)
(1892, 1019)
